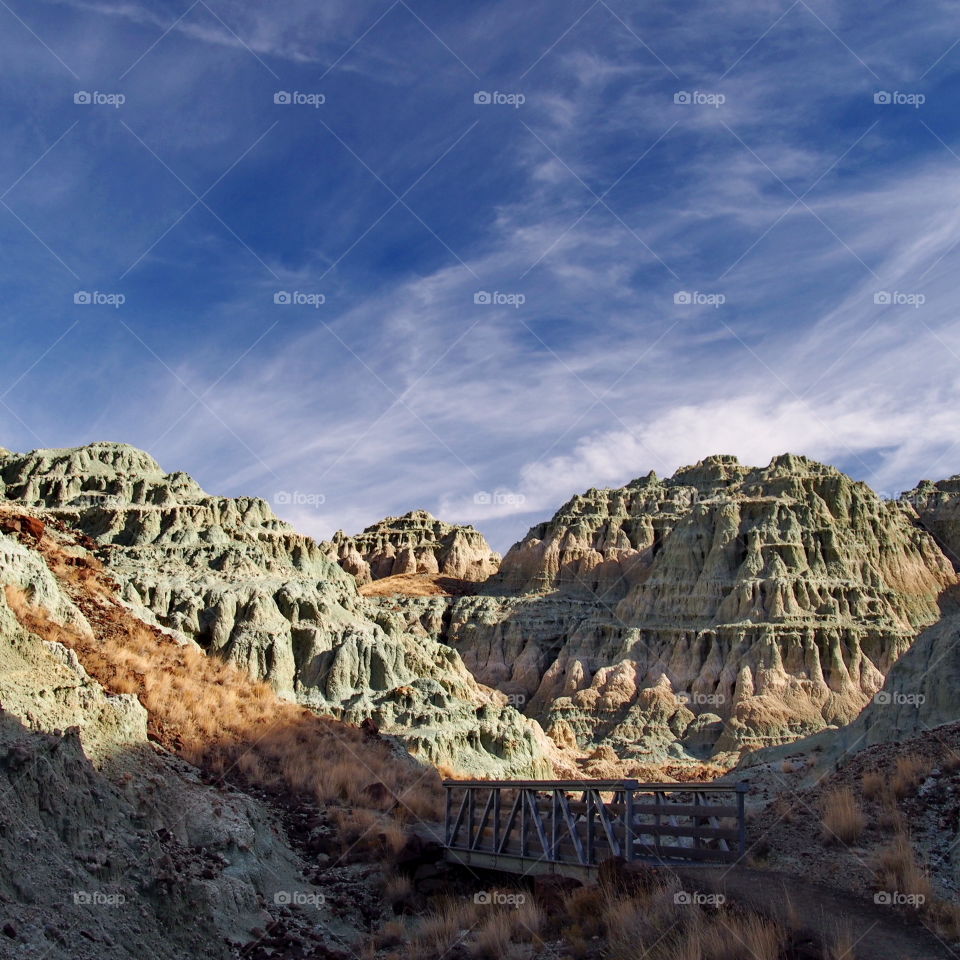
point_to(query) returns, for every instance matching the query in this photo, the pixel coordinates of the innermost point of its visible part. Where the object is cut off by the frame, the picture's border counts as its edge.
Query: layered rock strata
(106, 836)
(417, 542)
(719, 610)
(227, 574)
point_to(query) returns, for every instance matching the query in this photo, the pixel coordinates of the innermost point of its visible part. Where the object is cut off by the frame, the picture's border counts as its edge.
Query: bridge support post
(742, 790)
(447, 839)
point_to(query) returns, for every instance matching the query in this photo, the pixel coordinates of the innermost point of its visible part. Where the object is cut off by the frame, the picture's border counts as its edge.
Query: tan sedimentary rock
(724, 608)
(922, 689)
(417, 542)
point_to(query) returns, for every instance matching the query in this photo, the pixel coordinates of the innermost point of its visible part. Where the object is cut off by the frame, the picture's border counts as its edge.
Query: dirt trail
(877, 932)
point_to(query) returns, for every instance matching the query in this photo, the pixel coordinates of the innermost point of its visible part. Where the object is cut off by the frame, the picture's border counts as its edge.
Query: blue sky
(634, 157)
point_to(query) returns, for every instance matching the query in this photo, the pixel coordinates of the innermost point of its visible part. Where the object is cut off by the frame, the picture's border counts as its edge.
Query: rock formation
(937, 508)
(724, 608)
(414, 543)
(920, 690)
(228, 575)
(105, 836)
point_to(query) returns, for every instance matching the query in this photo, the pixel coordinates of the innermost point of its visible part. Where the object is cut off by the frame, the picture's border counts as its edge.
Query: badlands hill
(694, 617)
(675, 620)
(227, 575)
(201, 712)
(416, 543)
(920, 692)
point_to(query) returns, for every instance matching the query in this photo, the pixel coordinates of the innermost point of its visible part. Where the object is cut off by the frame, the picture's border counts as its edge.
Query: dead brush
(843, 820)
(504, 927)
(627, 926)
(945, 917)
(583, 909)
(733, 936)
(909, 772)
(896, 871)
(441, 929)
(873, 784)
(842, 946)
(397, 890)
(221, 720)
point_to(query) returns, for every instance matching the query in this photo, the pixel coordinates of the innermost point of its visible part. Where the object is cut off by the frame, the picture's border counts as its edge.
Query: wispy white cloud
(402, 392)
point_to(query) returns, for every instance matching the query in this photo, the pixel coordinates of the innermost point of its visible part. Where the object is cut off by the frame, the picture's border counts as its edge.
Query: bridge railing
(583, 822)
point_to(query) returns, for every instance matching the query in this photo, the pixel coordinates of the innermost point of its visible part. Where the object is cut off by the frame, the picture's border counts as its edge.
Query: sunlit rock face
(920, 692)
(722, 609)
(229, 575)
(417, 542)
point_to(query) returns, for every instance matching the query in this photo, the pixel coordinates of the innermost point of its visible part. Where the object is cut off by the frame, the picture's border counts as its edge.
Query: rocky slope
(109, 834)
(414, 543)
(937, 508)
(920, 691)
(227, 574)
(724, 608)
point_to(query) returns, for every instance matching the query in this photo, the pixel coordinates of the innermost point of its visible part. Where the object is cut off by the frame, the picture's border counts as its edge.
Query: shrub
(874, 785)
(735, 936)
(908, 774)
(843, 820)
(897, 870)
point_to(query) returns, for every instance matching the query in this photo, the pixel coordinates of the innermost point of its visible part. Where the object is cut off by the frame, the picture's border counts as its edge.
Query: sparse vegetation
(908, 774)
(843, 820)
(897, 871)
(226, 723)
(873, 784)
(592, 922)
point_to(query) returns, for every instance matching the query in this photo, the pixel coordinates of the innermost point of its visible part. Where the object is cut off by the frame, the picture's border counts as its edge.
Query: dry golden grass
(908, 774)
(441, 929)
(897, 870)
(842, 946)
(873, 784)
(843, 820)
(397, 889)
(221, 720)
(945, 916)
(736, 936)
(418, 585)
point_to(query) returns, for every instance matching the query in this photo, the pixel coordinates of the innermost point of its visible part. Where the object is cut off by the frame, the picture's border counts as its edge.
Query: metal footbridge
(570, 827)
